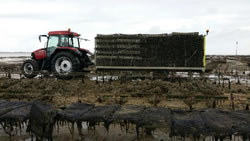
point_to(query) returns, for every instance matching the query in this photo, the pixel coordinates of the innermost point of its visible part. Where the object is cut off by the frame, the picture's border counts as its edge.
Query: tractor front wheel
(30, 68)
(65, 65)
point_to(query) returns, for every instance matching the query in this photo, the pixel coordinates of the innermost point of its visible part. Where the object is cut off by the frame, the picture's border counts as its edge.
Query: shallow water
(13, 57)
(14, 54)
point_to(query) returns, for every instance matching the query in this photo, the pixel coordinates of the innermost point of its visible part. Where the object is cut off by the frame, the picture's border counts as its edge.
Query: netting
(150, 50)
(43, 117)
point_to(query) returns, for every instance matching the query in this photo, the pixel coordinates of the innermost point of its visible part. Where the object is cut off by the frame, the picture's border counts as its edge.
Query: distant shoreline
(14, 54)
(12, 57)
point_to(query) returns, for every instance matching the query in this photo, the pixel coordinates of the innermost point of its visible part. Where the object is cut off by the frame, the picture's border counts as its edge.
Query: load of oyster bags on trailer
(150, 50)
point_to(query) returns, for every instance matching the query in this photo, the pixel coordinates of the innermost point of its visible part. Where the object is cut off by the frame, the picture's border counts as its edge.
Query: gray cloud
(228, 20)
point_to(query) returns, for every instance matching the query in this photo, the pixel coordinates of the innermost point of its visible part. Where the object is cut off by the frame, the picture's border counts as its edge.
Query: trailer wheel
(65, 65)
(30, 68)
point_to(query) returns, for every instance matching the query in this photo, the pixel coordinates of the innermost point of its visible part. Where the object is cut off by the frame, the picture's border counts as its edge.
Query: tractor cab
(58, 39)
(61, 40)
(62, 55)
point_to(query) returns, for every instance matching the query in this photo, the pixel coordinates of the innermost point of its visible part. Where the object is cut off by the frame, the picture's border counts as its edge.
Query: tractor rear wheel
(30, 68)
(65, 65)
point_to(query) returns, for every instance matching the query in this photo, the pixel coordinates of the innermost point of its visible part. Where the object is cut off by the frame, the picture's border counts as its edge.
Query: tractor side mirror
(42, 36)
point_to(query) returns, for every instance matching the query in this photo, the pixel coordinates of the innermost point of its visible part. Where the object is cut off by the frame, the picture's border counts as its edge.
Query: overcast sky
(228, 20)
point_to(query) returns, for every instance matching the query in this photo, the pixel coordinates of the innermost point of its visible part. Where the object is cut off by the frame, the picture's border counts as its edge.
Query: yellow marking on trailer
(204, 57)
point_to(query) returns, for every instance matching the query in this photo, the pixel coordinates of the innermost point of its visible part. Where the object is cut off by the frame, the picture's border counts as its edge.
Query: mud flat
(189, 108)
(184, 94)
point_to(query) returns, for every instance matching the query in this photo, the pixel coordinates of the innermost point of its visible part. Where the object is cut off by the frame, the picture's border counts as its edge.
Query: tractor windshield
(63, 41)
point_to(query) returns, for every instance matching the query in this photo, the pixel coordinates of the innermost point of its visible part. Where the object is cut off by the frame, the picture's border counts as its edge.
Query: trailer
(162, 52)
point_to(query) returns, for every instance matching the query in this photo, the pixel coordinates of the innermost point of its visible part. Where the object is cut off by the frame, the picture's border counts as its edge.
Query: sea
(14, 54)
(13, 57)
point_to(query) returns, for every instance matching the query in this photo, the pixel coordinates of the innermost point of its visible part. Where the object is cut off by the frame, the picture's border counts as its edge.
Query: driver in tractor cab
(64, 42)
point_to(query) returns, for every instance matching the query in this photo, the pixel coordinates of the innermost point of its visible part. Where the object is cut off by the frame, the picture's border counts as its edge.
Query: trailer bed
(174, 52)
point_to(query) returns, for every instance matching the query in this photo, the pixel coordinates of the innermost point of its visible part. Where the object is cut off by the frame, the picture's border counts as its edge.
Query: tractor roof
(63, 33)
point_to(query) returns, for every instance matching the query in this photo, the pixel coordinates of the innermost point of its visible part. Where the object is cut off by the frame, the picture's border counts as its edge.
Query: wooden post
(20, 74)
(151, 74)
(96, 81)
(9, 74)
(83, 81)
(190, 75)
(214, 104)
(109, 79)
(232, 100)
(246, 82)
(247, 107)
(179, 79)
(103, 78)
(223, 85)
(238, 82)
(79, 127)
(219, 76)
(229, 84)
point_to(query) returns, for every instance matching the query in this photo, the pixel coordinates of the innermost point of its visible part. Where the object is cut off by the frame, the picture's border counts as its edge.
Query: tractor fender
(71, 50)
(39, 54)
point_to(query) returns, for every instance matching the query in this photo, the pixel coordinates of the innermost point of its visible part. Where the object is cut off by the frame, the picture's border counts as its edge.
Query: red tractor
(61, 56)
